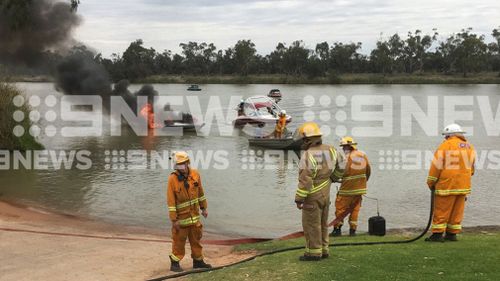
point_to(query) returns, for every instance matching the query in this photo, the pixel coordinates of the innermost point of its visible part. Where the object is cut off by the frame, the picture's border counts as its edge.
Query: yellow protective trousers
(193, 233)
(347, 205)
(448, 213)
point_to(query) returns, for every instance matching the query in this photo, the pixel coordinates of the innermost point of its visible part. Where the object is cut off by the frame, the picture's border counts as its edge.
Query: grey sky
(109, 26)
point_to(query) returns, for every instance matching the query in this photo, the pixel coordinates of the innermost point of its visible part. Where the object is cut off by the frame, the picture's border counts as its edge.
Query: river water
(251, 193)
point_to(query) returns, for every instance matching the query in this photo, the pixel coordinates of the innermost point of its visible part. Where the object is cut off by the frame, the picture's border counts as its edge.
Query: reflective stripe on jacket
(185, 200)
(356, 174)
(317, 165)
(281, 124)
(452, 167)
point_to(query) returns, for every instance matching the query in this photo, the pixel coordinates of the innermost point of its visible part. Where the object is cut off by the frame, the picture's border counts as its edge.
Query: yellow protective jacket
(281, 124)
(185, 198)
(319, 166)
(356, 174)
(452, 167)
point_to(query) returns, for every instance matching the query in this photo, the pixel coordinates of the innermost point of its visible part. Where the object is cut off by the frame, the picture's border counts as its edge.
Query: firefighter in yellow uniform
(450, 176)
(185, 197)
(353, 187)
(280, 128)
(320, 164)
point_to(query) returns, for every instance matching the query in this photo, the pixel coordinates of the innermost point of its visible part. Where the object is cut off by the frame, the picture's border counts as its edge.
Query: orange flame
(147, 112)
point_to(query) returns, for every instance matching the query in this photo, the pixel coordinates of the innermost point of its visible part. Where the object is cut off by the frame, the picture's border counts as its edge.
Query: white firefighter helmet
(453, 129)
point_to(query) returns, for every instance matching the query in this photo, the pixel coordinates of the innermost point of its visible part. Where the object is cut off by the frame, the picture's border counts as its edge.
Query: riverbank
(357, 78)
(40, 245)
(474, 257)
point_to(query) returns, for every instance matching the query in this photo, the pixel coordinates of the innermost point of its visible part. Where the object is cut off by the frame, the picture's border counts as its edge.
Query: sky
(109, 26)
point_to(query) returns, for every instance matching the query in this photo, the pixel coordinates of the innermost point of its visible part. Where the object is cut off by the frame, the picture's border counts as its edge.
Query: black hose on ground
(185, 273)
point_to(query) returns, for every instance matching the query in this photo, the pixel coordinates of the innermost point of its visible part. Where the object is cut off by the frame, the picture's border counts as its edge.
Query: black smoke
(30, 28)
(121, 89)
(79, 74)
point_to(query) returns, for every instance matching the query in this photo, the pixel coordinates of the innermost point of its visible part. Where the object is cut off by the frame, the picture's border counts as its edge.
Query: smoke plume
(79, 74)
(121, 89)
(29, 28)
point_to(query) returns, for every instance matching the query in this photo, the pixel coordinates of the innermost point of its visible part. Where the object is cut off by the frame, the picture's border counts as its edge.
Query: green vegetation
(8, 140)
(416, 58)
(357, 78)
(474, 257)
(462, 57)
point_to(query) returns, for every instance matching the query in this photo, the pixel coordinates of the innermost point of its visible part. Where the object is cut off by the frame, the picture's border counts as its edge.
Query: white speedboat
(258, 110)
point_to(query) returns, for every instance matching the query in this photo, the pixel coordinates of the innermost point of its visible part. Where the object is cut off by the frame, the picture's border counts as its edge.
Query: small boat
(288, 143)
(194, 87)
(179, 119)
(275, 93)
(184, 126)
(258, 110)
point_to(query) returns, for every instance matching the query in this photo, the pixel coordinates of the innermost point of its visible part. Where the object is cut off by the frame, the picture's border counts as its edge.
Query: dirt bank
(84, 249)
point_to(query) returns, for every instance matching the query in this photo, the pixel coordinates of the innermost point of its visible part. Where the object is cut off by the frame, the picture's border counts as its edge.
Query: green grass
(474, 257)
(279, 244)
(8, 140)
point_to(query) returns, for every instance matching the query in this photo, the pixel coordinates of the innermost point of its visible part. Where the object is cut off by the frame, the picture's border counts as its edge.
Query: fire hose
(185, 273)
(233, 242)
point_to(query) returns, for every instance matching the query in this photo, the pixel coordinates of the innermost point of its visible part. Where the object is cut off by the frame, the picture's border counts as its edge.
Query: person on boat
(269, 110)
(353, 187)
(185, 198)
(450, 177)
(320, 165)
(280, 125)
(241, 107)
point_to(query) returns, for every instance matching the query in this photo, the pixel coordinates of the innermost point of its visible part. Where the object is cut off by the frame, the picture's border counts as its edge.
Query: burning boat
(179, 119)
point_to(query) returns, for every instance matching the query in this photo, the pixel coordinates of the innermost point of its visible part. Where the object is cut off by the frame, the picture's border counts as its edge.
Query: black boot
(352, 232)
(309, 258)
(450, 237)
(175, 266)
(325, 255)
(435, 237)
(200, 264)
(337, 231)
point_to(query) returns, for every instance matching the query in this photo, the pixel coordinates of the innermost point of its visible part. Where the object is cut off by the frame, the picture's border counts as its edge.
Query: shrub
(8, 141)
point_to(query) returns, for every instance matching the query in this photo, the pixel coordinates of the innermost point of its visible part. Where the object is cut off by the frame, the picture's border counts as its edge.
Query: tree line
(463, 52)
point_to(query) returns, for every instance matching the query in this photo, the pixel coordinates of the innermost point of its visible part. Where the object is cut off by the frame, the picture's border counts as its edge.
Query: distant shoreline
(347, 79)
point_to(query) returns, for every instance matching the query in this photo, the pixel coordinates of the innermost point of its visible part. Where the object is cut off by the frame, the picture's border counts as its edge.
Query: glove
(300, 205)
